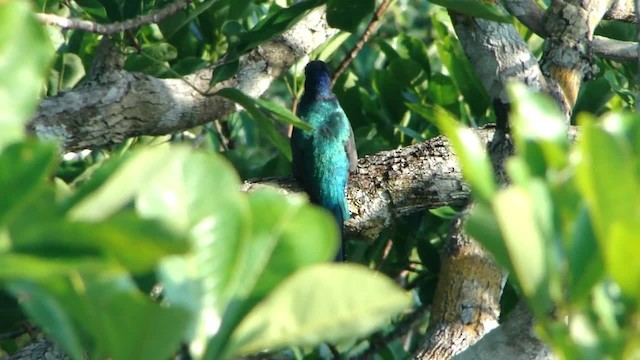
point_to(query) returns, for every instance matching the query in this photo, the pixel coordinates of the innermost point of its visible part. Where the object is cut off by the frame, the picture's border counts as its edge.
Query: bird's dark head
(317, 81)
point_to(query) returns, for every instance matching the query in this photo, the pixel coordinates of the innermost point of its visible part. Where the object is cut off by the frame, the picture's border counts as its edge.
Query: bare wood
(113, 28)
(623, 10)
(124, 104)
(498, 54)
(467, 300)
(531, 15)
(513, 340)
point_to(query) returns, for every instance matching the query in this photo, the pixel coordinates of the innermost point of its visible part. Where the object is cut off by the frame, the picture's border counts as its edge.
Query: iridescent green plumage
(324, 156)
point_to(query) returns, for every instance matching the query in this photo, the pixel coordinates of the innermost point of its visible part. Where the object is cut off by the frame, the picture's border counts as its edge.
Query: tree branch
(531, 15)
(394, 183)
(568, 58)
(124, 104)
(467, 300)
(108, 29)
(513, 340)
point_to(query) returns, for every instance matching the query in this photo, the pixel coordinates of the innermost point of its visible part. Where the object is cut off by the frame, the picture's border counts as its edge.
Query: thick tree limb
(513, 340)
(531, 15)
(108, 29)
(124, 104)
(394, 183)
(467, 299)
(568, 57)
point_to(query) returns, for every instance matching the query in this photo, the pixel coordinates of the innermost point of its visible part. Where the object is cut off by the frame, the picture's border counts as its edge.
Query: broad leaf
(102, 314)
(347, 15)
(25, 52)
(318, 304)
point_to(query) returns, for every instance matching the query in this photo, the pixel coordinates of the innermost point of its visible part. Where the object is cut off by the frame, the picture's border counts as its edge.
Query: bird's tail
(341, 214)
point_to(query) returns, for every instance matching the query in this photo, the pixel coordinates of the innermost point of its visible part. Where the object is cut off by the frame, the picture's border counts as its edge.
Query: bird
(323, 157)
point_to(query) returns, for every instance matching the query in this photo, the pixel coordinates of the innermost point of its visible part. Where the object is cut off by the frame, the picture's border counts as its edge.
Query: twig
(363, 39)
(108, 29)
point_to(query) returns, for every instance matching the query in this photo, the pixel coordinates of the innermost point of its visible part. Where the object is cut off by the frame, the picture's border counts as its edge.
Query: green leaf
(406, 71)
(134, 243)
(70, 70)
(607, 178)
(224, 72)
(347, 15)
(283, 114)
(200, 196)
(476, 8)
(539, 130)
(286, 235)
(105, 315)
(25, 52)
(294, 235)
(263, 122)
(461, 72)
(23, 170)
(472, 156)
(414, 49)
(106, 196)
(525, 244)
(317, 304)
(585, 261)
(277, 21)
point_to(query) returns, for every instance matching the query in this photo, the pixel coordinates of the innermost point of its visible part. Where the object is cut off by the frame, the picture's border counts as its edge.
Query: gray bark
(513, 340)
(116, 104)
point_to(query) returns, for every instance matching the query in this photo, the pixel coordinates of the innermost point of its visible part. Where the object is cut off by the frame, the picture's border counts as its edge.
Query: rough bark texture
(531, 15)
(568, 57)
(41, 349)
(467, 300)
(498, 54)
(393, 183)
(513, 340)
(466, 304)
(116, 105)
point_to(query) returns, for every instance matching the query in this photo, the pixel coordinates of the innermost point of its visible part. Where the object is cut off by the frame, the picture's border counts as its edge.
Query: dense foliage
(85, 238)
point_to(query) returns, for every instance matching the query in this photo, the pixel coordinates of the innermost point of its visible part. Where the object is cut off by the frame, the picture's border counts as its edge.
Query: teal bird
(324, 156)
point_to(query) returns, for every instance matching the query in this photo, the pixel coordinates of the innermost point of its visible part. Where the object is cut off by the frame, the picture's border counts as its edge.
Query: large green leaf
(102, 314)
(540, 131)
(293, 234)
(23, 170)
(476, 8)
(471, 154)
(25, 52)
(608, 179)
(286, 234)
(200, 196)
(318, 304)
(525, 244)
(347, 15)
(585, 260)
(109, 192)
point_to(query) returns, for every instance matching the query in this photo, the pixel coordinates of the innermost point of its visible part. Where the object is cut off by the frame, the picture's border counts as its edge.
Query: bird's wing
(299, 157)
(350, 149)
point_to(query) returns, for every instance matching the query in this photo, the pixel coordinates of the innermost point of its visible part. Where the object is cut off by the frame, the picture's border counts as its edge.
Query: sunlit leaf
(317, 305)
(25, 52)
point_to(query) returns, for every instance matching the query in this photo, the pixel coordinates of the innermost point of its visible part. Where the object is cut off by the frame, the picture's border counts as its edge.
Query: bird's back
(320, 161)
